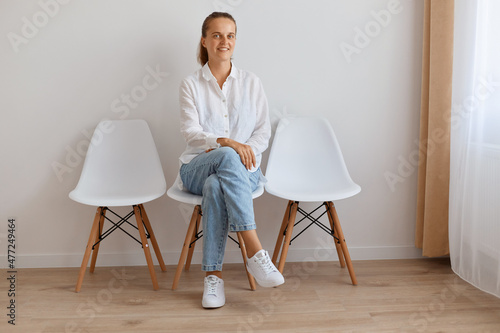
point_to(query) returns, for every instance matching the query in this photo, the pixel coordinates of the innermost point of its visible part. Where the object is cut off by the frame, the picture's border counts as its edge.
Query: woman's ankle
(250, 254)
(216, 273)
(252, 243)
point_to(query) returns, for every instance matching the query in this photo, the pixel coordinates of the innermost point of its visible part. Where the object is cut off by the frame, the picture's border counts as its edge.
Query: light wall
(66, 65)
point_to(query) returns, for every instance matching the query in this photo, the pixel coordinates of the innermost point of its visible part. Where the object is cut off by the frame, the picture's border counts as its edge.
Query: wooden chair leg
(156, 248)
(335, 236)
(345, 251)
(145, 246)
(90, 243)
(97, 237)
(288, 236)
(193, 237)
(251, 279)
(185, 247)
(279, 241)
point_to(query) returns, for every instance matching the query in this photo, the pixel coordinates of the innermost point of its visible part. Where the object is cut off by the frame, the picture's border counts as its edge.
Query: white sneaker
(263, 270)
(213, 292)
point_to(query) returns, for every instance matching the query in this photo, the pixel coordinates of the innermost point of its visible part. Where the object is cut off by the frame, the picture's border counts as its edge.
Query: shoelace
(266, 264)
(211, 286)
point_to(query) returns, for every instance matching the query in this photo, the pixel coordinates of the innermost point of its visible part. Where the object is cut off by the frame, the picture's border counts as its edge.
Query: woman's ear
(203, 42)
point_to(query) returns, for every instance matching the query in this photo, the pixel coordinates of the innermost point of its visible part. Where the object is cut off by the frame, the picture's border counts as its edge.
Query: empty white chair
(122, 168)
(192, 234)
(306, 165)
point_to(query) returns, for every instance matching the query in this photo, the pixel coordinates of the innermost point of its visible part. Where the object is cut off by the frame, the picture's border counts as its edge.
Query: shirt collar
(207, 74)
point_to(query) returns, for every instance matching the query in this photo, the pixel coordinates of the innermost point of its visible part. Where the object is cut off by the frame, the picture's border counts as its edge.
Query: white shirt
(238, 111)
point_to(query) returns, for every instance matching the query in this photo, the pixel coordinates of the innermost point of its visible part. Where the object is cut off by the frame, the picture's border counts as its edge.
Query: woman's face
(220, 40)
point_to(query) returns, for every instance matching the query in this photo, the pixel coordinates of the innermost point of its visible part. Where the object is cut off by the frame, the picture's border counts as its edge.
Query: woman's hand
(246, 153)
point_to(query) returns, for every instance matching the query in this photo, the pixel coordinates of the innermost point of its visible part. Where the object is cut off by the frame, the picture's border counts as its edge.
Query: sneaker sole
(266, 284)
(213, 306)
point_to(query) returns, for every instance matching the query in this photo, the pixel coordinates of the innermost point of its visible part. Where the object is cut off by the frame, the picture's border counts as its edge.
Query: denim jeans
(227, 205)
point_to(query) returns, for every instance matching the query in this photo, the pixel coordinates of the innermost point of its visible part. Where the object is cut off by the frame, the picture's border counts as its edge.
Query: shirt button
(223, 101)
(225, 115)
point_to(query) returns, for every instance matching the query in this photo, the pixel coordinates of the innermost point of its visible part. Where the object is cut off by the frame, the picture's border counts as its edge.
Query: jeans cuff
(236, 228)
(211, 268)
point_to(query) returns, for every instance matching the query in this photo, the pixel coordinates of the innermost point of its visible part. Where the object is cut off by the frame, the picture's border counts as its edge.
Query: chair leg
(185, 247)
(288, 236)
(343, 244)
(145, 246)
(156, 248)
(251, 279)
(97, 237)
(335, 236)
(279, 241)
(192, 243)
(86, 256)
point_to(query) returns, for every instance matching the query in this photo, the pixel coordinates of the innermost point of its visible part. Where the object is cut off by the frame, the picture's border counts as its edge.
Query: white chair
(192, 234)
(306, 165)
(122, 168)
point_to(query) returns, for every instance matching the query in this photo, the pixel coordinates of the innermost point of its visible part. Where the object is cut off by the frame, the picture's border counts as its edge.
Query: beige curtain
(434, 165)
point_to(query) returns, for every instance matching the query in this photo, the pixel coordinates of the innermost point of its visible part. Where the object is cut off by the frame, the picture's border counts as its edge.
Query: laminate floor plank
(421, 295)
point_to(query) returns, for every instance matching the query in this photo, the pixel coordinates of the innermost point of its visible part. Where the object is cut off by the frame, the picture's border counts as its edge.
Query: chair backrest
(305, 162)
(122, 166)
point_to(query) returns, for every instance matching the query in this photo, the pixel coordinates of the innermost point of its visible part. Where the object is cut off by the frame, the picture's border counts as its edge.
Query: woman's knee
(212, 186)
(227, 154)
(228, 157)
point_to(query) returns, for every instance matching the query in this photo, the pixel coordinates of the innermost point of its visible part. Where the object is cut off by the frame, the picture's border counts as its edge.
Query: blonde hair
(202, 51)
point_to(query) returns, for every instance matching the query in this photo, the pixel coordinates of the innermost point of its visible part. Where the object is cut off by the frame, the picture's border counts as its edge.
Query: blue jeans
(227, 205)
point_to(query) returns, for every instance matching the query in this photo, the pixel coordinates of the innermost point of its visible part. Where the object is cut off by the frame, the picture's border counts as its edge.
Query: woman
(225, 122)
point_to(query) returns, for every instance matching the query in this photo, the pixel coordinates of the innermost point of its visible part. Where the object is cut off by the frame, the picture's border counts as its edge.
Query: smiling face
(220, 39)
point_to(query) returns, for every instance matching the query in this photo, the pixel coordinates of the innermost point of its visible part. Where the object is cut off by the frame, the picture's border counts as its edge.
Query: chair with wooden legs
(193, 234)
(122, 168)
(306, 165)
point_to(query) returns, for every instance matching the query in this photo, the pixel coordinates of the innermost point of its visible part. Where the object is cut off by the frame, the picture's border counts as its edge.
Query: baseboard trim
(325, 253)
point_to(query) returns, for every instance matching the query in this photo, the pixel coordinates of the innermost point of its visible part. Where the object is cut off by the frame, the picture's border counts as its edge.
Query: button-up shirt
(238, 111)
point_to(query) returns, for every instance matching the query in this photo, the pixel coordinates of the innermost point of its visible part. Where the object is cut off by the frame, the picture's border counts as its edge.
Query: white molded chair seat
(306, 164)
(187, 197)
(192, 234)
(122, 168)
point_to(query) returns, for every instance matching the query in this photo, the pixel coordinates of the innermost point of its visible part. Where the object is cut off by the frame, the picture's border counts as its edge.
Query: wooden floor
(421, 295)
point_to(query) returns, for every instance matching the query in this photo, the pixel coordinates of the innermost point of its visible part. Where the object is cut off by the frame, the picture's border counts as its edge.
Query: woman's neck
(220, 70)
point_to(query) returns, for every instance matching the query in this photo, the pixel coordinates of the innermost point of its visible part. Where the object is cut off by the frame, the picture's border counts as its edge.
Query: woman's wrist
(224, 142)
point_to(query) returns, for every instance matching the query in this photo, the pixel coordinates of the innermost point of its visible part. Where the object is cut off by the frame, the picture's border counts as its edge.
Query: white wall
(59, 79)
